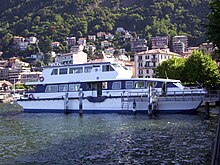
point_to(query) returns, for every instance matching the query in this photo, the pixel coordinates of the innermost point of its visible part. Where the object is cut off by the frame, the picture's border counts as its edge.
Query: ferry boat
(106, 87)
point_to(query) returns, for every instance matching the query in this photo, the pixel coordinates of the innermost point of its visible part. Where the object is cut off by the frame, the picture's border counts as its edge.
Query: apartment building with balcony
(146, 62)
(159, 42)
(180, 44)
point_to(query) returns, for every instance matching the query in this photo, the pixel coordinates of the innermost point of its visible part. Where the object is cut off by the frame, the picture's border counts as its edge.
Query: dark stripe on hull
(109, 111)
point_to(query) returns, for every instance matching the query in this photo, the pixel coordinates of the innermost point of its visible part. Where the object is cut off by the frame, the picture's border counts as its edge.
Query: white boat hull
(109, 105)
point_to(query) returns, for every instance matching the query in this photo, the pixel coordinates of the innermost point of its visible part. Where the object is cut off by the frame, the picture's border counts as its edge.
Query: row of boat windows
(101, 85)
(76, 70)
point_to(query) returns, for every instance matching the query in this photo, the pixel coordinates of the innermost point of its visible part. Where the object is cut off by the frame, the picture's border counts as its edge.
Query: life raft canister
(31, 96)
(41, 78)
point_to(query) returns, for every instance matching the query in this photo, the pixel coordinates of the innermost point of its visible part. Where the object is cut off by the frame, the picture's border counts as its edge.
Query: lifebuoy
(31, 96)
(41, 78)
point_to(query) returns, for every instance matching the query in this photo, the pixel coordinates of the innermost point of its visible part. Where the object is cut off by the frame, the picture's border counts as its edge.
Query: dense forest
(53, 20)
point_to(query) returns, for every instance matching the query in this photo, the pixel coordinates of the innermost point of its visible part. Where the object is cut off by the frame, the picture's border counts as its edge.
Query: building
(92, 38)
(146, 62)
(5, 85)
(3, 63)
(100, 34)
(55, 44)
(138, 45)
(105, 44)
(71, 58)
(3, 73)
(180, 44)
(207, 47)
(71, 41)
(159, 42)
(109, 36)
(29, 76)
(32, 40)
(18, 39)
(82, 41)
(120, 30)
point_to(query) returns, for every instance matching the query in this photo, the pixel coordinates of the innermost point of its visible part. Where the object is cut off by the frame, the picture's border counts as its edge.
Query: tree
(213, 26)
(48, 58)
(172, 68)
(200, 67)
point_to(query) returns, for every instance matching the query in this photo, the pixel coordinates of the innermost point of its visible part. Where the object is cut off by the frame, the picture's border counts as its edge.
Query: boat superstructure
(106, 87)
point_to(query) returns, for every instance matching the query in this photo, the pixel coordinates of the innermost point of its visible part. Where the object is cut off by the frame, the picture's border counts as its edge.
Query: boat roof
(83, 64)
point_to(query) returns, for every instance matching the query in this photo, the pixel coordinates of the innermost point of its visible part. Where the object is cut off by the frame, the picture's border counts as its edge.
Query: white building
(71, 58)
(146, 62)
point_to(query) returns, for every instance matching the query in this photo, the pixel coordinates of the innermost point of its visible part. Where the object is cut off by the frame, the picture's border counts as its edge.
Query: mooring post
(207, 110)
(134, 108)
(149, 101)
(66, 104)
(80, 102)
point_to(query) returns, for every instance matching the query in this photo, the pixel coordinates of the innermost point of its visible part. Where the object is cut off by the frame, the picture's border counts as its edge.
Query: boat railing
(193, 95)
(182, 95)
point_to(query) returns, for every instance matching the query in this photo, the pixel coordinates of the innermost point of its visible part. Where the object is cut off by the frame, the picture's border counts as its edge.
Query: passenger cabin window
(75, 70)
(170, 84)
(107, 68)
(139, 84)
(63, 71)
(54, 72)
(116, 85)
(87, 69)
(129, 84)
(152, 84)
(63, 87)
(74, 87)
(51, 88)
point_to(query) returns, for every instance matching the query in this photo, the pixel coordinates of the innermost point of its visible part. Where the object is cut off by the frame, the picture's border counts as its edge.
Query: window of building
(139, 57)
(54, 72)
(116, 85)
(140, 71)
(63, 71)
(140, 64)
(147, 57)
(139, 84)
(75, 70)
(74, 87)
(147, 64)
(63, 87)
(129, 84)
(147, 71)
(51, 88)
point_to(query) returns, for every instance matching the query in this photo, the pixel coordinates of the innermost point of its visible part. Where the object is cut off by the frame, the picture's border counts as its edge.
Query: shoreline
(7, 108)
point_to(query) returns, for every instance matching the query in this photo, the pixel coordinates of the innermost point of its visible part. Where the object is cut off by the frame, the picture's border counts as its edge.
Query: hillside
(56, 19)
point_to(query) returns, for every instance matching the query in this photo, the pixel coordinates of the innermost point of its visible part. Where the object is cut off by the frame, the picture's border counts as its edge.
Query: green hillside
(56, 19)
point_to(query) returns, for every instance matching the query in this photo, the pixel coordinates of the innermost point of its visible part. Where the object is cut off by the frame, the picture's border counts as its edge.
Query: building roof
(158, 51)
(6, 82)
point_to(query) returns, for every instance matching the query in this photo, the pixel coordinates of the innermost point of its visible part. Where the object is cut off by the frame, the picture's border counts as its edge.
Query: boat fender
(134, 104)
(41, 78)
(31, 96)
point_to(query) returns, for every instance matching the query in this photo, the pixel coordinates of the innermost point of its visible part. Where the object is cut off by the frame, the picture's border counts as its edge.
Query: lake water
(45, 138)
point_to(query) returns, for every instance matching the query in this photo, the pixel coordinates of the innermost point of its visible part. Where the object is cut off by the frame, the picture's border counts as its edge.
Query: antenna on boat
(166, 74)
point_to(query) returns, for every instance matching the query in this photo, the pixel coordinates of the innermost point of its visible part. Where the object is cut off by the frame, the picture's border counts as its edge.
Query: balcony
(154, 59)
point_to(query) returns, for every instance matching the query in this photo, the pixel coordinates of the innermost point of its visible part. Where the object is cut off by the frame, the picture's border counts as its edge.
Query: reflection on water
(105, 139)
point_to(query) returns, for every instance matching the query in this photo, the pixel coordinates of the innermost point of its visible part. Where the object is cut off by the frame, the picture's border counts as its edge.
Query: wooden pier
(216, 147)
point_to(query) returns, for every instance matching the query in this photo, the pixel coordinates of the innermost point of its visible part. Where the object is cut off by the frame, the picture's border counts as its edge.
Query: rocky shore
(10, 108)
